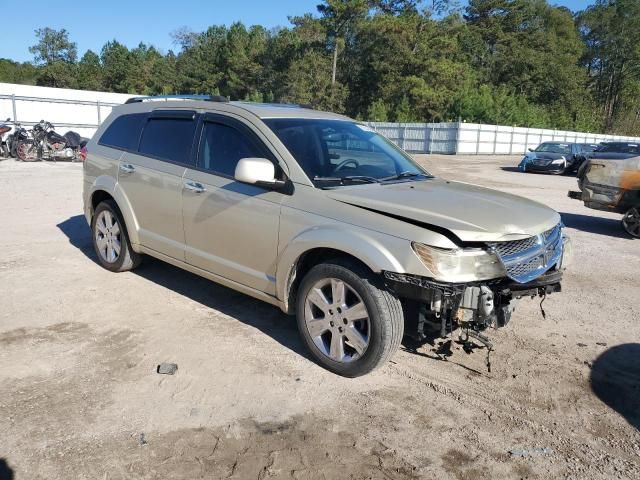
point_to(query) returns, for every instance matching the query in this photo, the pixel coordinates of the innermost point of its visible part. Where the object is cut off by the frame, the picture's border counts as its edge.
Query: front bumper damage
(436, 309)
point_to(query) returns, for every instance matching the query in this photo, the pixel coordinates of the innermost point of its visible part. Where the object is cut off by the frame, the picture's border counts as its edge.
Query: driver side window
(223, 146)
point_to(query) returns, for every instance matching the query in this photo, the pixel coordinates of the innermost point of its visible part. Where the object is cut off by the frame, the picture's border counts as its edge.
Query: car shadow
(511, 169)
(598, 225)
(268, 319)
(615, 379)
(6, 472)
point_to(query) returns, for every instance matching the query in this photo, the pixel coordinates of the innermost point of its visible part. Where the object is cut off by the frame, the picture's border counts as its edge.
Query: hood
(469, 212)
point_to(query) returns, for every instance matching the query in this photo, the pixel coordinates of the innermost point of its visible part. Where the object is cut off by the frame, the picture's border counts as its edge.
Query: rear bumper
(603, 197)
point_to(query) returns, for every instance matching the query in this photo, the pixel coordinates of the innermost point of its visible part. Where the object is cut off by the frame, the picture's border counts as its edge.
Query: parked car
(608, 151)
(319, 215)
(555, 157)
(613, 185)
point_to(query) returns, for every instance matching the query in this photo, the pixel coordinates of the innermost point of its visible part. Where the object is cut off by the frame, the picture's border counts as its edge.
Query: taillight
(83, 153)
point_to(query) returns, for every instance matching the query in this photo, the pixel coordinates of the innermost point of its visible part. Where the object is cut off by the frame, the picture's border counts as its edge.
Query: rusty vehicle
(613, 185)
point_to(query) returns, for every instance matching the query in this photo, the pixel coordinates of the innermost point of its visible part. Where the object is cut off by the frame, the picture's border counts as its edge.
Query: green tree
(116, 64)
(56, 55)
(89, 72)
(609, 30)
(339, 16)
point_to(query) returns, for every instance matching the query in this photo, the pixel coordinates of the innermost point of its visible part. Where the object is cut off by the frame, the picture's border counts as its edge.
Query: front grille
(512, 248)
(525, 260)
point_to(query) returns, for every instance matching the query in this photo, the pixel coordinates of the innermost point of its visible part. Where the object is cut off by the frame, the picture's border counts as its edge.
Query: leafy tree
(14, 72)
(339, 16)
(56, 55)
(89, 71)
(53, 46)
(116, 66)
(609, 30)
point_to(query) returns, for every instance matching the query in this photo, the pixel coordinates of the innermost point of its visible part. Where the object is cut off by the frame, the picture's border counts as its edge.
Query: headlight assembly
(459, 265)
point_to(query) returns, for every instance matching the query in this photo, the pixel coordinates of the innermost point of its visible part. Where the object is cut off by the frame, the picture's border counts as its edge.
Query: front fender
(109, 185)
(378, 251)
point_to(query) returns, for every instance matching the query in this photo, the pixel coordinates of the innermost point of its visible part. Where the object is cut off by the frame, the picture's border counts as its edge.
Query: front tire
(110, 239)
(350, 322)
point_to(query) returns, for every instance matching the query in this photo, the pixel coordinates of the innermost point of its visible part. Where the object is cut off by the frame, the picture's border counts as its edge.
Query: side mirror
(530, 149)
(257, 171)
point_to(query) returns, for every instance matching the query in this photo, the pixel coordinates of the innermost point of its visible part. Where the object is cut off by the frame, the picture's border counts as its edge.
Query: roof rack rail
(168, 98)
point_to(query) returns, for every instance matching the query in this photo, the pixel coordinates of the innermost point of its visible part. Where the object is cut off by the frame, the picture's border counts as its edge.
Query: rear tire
(111, 240)
(365, 318)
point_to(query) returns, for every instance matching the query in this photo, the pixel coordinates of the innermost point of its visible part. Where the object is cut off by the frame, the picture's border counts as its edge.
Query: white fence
(83, 111)
(67, 109)
(474, 139)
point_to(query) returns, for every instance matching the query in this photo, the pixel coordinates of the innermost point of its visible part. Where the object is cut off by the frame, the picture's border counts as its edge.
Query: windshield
(619, 148)
(554, 148)
(332, 152)
(590, 147)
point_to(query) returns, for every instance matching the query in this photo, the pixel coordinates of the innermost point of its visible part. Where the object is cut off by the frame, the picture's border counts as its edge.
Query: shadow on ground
(260, 315)
(615, 379)
(6, 472)
(598, 225)
(511, 169)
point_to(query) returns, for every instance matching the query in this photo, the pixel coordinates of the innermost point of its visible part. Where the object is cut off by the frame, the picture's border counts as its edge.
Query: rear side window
(222, 147)
(168, 139)
(124, 132)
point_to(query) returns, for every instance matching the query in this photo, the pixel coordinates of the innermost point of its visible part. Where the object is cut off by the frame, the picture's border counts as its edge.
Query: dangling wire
(544, 297)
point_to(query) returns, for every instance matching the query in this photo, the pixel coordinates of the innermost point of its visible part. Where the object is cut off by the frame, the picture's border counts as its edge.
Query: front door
(231, 228)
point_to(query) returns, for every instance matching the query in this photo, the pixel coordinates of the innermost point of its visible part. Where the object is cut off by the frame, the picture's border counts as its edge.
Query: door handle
(127, 168)
(195, 187)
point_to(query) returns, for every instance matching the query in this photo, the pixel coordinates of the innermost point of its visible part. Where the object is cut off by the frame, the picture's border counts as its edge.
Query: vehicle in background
(555, 157)
(609, 151)
(5, 131)
(21, 144)
(613, 185)
(319, 215)
(50, 145)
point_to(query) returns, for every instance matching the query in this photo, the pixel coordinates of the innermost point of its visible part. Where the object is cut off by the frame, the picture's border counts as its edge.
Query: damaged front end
(532, 268)
(613, 186)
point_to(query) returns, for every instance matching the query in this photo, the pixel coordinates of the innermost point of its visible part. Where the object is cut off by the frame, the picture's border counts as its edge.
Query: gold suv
(319, 215)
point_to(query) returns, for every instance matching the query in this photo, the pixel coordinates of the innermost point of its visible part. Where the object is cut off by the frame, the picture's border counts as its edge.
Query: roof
(280, 110)
(213, 103)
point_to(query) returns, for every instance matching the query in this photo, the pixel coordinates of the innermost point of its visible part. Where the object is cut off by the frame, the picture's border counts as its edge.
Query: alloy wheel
(337, 320)
(108, 236)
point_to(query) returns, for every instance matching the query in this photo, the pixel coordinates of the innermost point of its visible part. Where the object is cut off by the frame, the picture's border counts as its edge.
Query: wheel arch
(107, 189)
(318, 245)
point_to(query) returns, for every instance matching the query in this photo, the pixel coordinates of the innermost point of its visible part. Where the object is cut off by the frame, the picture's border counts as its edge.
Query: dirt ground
(80, 397)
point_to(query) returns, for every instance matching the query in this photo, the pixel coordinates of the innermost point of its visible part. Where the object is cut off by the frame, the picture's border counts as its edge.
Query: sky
(93, 23)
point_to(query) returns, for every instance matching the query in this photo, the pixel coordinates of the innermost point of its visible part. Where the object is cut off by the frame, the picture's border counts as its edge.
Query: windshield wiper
(349, 178)
(402, 175)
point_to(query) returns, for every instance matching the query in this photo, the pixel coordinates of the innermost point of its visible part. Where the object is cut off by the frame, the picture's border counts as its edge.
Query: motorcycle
(50, 145)
(21, 144)
(5, 128)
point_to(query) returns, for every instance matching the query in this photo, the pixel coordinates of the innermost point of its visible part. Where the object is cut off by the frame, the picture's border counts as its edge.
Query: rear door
(231, 228)
(152, 179)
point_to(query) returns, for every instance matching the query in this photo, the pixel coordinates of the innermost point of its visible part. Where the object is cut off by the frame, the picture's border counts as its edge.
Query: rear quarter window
(124, 132)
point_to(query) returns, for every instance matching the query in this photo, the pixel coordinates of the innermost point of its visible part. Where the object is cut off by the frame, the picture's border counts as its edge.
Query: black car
(556, 157)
